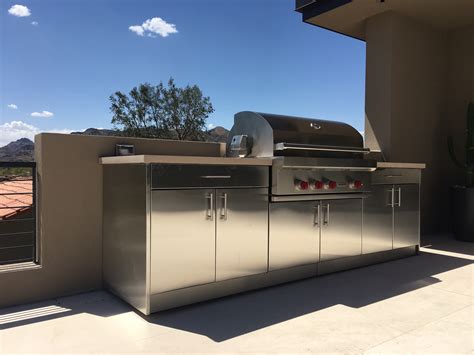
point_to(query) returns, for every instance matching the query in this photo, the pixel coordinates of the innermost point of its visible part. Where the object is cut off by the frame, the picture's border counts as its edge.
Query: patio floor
(419, 304)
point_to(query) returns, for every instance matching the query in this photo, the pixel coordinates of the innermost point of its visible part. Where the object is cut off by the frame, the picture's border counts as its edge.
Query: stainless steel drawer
(396, 176)
(172, 176)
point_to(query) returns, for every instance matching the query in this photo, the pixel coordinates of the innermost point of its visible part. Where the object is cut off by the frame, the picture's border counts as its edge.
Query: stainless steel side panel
(125, 235)
(294, 234)
(406, 216)
(242, 232)
(378, 220)
(175, 176)
(182, 238)
(341, 228)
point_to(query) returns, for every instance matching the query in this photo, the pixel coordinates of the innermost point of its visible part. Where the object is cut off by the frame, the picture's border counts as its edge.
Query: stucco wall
(460, 91)
(70, 213)
(418, 79)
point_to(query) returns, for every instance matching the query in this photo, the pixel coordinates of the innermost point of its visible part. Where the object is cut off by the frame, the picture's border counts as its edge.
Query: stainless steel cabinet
(341, 228)
(406, 215)
(378, 220)
(182, 238)
(294, 234)
(391, 217)
(242, 232)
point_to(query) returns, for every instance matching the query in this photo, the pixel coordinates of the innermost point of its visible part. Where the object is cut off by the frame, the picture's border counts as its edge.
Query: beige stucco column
(418, 81)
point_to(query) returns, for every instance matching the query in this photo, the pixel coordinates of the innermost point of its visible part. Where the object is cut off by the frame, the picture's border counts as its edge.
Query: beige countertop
(387, 164)
(181, 159)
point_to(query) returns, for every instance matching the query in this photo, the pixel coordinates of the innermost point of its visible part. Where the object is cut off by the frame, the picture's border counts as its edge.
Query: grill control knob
(330, 185)
(356, 184)
(317, 185)
(301, 185)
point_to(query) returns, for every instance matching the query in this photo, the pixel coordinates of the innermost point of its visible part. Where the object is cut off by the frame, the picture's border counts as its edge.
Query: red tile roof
(12, 205)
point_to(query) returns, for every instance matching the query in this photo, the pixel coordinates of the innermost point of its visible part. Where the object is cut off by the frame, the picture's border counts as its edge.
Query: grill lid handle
(322, 148)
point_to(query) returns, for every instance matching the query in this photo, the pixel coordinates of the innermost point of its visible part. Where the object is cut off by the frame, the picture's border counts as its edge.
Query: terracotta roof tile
(13, 205)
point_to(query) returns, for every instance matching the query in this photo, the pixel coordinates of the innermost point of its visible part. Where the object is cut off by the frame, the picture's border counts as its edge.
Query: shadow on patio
(232, 316)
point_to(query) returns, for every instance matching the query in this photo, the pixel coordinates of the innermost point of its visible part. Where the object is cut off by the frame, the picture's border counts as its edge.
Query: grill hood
(257, 134)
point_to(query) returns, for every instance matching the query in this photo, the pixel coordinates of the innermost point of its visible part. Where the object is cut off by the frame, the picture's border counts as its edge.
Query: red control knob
(318, 185)
(332, 185)
(358, 184)
(302, 185)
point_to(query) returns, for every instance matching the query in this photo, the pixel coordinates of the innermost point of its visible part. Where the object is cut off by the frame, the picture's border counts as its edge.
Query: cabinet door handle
(317, 211)
(210, 206)
(224, 206)
(392, 197)
(326, 215)
(399, 197)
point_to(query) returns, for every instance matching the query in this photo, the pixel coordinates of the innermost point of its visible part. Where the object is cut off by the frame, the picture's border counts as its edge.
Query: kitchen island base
(190, 295)
(166, 244)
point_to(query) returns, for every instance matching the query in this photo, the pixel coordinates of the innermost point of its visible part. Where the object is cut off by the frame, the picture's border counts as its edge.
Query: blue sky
(63, 58)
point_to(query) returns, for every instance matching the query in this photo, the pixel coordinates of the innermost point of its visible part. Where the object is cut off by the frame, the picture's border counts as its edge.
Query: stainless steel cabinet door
(242, 232)
(294, 234)
(182, 238)
(378, 220)
(341, 228)
(406, 216)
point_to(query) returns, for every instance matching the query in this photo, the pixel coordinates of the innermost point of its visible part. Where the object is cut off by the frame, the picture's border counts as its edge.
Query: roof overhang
(348, 16)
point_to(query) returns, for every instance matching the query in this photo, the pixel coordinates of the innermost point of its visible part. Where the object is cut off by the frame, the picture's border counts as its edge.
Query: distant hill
(21, 150)
(217, 134)
(98, 132)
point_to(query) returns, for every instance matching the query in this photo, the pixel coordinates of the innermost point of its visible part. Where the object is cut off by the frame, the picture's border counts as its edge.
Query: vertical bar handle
(224, 206)
(210, 206)
(326, 216)
(317, 212)
(392, 197)
(399, 197)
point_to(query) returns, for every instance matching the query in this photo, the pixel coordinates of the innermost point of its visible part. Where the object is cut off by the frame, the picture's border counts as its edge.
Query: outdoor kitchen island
(179, 230)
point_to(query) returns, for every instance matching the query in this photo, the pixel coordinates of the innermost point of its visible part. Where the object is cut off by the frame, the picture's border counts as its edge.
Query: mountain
(217, 134)
(98, 132)
(21, 150)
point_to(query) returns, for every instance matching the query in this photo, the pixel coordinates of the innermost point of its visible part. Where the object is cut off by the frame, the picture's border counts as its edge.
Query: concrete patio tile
(77, 331)
(337, 329)
(414, 309)
(442, 336)
(460, 280)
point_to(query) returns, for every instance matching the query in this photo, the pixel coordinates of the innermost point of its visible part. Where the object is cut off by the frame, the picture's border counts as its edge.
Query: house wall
(412, 72)
(70, 213)
(460, 91)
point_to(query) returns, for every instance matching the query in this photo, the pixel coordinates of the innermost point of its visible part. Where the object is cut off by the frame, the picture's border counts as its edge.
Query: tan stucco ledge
(392, 165)
(180, 159)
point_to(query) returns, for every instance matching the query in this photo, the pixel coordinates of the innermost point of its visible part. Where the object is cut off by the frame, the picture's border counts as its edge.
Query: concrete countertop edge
(398, 165)
(183, 159)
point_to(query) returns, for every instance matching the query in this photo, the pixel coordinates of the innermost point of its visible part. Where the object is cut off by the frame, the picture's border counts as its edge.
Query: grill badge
(314, 125)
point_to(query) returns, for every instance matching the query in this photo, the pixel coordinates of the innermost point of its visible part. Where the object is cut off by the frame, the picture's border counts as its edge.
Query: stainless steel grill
(310, 156)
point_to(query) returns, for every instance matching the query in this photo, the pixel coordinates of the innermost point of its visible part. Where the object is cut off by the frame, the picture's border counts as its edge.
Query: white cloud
(12, 106)
(35, 23)
(155, 25)
(19, 11)
(12, 131)
(210, 126)
(45, 114)
(137, 29)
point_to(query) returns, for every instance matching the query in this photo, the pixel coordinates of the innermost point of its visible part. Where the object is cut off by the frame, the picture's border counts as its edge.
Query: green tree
(161, 111)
